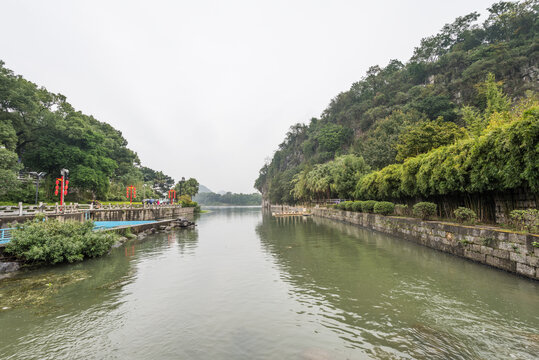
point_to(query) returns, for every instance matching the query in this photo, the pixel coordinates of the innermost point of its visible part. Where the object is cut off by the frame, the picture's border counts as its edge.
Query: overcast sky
(208, 89)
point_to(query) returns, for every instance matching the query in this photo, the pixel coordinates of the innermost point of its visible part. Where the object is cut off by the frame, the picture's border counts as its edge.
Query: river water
(244, 285)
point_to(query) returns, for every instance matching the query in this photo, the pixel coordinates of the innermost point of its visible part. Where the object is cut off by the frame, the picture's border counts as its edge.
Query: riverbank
(502, 249)
(9, 263)
(109, 214)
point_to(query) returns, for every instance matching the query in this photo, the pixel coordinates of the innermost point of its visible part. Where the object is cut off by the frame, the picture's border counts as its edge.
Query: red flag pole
(62, 193)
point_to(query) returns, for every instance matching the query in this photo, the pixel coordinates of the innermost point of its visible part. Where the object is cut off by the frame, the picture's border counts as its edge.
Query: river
(244, 285)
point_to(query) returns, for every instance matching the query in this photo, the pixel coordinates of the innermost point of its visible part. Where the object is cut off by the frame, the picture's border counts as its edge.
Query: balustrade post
(20, 208)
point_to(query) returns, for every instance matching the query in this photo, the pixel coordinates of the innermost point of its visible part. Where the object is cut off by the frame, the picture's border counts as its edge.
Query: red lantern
(57, 187)
(130, 193)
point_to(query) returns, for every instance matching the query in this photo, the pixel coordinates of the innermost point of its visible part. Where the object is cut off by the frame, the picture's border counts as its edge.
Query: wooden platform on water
(290, 214)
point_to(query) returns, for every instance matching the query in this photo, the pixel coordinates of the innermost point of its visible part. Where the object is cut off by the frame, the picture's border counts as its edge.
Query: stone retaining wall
(136, 214)
(502, 249)
(140, 214)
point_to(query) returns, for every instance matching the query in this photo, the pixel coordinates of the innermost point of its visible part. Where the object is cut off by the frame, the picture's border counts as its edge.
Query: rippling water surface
(243, 285)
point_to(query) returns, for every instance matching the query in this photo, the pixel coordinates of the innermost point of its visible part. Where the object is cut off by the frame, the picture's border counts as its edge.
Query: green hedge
(368, 206)
(384, 208)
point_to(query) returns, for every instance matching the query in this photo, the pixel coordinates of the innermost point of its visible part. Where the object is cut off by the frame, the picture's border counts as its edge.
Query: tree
(8, 171)
(188, 187)
(378, 145)
(346, 172)
(427, 135)
(331, 137)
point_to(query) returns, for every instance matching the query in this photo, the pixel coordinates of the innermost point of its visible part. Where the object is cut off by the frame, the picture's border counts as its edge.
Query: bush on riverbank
(55, 242)
(185, 201)
(465, 215)
(384, 208)
(526, 220)
(368, 206)
(424, 210)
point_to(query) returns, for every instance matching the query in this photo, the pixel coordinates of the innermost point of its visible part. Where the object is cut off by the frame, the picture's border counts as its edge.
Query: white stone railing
(71, 208)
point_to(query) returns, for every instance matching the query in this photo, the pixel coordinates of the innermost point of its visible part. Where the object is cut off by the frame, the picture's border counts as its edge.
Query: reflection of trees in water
(346, 277)
(230, 212)
(51, 289)
(187, 240)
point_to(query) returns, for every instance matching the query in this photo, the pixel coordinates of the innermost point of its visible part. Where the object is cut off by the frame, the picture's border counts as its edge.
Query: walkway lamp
(181, 182)
(38, 175)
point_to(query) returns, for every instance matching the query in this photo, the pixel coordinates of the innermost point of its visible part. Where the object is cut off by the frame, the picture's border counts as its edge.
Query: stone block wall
(502, 249)
(518, 200)
(140, 214)
(135, 214)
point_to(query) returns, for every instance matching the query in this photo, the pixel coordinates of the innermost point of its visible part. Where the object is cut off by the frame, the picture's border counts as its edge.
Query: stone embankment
(109, 214)
(502, 249)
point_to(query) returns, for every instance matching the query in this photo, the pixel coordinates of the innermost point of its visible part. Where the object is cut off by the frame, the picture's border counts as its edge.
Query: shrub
(402, 210)
(465, 215)
(54, 242)
(424, 210)
(368, 206)
(384, 208)
(526, 220)
(356, 206)
(347, 205)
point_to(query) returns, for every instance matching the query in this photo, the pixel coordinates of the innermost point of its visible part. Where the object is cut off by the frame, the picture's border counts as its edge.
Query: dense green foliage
(336, 178)
(187, 187)
(442, 123)
(54, 242)
(505, 157)
(229, 199)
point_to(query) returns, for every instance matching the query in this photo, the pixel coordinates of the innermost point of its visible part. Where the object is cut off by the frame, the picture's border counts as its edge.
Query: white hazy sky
(208, 89)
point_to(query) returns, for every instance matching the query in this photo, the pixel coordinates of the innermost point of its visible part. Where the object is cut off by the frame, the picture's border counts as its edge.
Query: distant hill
(228, 199)
(203, 189)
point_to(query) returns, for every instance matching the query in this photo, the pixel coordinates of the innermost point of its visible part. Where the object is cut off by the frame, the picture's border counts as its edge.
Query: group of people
(155, 201)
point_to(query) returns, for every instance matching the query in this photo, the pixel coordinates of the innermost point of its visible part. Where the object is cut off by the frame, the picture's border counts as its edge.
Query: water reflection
(244, 286)
(187, 241)
(387, 297)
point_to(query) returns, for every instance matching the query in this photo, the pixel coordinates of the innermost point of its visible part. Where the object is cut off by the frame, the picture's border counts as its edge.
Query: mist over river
(244, 285)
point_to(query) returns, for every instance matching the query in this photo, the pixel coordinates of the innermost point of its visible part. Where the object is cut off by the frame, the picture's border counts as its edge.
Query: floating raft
(291, 214)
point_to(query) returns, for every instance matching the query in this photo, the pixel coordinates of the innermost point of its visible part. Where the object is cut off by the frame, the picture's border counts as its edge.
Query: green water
(243, 285)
